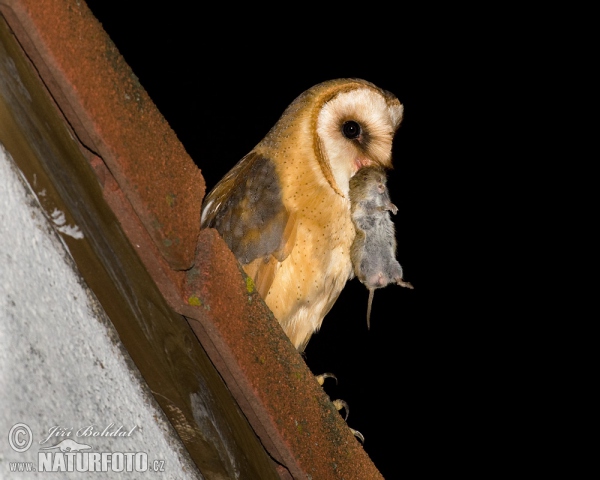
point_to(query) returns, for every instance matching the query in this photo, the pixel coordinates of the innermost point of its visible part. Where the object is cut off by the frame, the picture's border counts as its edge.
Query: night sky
(222, 86)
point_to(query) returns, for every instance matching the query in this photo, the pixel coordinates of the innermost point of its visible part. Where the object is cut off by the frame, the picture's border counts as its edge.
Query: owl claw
(358, 435)
(339, 404)
(321, 378)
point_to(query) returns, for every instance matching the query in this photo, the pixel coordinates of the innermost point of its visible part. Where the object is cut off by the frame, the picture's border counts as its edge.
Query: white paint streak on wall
(60, 221)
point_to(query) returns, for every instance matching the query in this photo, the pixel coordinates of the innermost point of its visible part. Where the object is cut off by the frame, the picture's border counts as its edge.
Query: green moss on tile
(170, 199)
(194, 301)
(249, 285)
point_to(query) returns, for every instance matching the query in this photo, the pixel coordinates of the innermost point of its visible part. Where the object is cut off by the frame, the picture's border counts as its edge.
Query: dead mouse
(373, 252)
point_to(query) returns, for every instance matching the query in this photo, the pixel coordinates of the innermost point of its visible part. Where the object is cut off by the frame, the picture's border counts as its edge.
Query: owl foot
(358, 435)
(340, 404)
(321, 378)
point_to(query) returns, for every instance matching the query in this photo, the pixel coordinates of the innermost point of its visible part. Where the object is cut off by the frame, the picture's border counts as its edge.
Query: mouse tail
(369, 304)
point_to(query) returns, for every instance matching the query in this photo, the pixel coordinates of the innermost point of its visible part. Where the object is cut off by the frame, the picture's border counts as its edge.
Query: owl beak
(360, 162)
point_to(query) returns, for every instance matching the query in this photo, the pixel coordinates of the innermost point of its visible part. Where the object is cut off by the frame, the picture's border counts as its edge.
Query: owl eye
(351, 129)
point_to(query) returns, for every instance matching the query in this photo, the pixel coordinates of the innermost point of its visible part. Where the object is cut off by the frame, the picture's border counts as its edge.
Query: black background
(221, 83)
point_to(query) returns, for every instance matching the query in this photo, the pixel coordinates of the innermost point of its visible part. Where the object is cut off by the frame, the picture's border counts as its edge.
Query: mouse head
(368, 188)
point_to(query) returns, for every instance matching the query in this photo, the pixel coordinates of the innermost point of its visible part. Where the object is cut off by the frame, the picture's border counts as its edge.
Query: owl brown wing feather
(222, 191)
(246, 208)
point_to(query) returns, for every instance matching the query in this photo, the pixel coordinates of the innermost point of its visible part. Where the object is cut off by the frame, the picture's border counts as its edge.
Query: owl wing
(246, 208)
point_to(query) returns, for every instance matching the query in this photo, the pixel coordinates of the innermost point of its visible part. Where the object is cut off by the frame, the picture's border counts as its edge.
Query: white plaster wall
(60, 360)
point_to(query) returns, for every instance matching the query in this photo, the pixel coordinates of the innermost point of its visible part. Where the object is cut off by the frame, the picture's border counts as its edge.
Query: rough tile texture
(114, 117)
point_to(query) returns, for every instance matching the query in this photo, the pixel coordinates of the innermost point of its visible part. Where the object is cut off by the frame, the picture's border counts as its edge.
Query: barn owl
(284, 208)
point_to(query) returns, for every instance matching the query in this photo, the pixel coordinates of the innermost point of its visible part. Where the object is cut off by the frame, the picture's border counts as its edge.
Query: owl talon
(339, 404)
(321, 378)
(358, 435)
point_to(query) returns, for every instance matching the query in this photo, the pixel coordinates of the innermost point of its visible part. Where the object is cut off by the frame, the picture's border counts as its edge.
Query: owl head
(344, 124)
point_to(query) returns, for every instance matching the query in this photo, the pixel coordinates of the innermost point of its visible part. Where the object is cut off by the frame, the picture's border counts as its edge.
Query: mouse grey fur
(373, 251)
